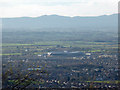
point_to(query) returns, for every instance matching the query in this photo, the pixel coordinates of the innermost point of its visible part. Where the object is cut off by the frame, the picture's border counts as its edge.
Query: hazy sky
(34, 8)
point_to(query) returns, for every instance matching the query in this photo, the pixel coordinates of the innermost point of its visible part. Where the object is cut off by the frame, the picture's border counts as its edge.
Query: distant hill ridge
(56, 21)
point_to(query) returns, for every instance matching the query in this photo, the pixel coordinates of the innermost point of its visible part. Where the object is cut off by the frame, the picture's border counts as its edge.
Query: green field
(115, 82)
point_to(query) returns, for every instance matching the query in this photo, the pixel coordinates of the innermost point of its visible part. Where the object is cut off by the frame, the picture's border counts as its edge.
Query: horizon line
(58, 15)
